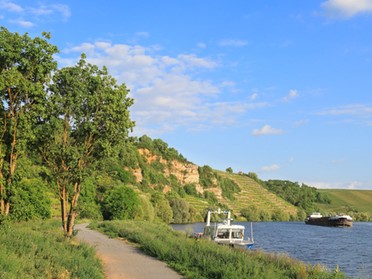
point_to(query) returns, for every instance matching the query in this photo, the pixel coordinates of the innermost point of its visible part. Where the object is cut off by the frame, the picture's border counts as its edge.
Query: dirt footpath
(122, 260)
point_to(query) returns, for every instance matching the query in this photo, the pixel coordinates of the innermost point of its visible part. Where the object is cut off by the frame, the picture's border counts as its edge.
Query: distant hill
(346, 201)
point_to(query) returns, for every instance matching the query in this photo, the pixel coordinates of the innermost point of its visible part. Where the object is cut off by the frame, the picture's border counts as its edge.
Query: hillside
(344, 201)
(253, 194)
(250, 195)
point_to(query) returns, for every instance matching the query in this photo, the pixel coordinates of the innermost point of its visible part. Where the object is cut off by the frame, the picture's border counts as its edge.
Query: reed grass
(40, 250)
(204, 259)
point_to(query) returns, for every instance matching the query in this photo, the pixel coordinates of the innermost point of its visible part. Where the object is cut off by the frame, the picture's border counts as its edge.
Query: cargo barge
(329, 221)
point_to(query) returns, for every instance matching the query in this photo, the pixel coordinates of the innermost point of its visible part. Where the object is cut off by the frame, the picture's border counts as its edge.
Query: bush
(30, 200)
(181, 211)
(121, 203)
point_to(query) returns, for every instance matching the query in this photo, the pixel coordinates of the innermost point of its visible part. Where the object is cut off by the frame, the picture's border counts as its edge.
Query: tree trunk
(73, 211)
(64, 205)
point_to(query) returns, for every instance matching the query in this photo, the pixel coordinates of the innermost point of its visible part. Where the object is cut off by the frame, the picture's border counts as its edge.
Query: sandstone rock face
(184, 172)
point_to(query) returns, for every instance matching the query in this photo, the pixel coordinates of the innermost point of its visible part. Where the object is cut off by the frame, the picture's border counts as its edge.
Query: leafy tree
(253, 175)
(181, 211)
(88, 118)
(121, 203)
(229, 170)
(211, 197)
(163, 211)
(25, 69)
(207, 177)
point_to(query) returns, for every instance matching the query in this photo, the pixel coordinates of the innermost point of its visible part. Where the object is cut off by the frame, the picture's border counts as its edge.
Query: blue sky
(279, 88)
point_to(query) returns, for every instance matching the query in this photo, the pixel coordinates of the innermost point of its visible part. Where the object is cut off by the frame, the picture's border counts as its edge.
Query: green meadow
(344, 201)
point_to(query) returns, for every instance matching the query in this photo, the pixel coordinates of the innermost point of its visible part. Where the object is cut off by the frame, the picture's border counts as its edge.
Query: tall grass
(204, 259)
(39, 250)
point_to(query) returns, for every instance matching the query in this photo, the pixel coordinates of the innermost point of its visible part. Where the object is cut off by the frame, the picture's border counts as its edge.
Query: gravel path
(123, 260)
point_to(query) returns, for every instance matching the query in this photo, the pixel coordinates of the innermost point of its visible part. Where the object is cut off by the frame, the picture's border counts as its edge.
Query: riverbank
(204, 259)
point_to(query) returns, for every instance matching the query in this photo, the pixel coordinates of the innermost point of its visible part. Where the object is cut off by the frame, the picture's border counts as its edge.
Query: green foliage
(181, 211)
(302, 196)
(207, 177)
(204, 259)
(160, 148)
(30, 200)
(190, 189)
(250, 213)
(163, 211)
(228, 187)
(229, 170)
(121, 203)
(25, 69)
(87, 119)
(253, 175)
(211, 197)
(38, 250)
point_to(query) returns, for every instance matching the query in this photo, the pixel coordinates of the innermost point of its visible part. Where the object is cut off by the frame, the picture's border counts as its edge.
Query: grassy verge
(39, 250)
(204, 259)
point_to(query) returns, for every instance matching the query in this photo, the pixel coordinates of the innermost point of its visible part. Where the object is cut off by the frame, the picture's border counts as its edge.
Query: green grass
(343, 201)
(204, 259)
(39, 250)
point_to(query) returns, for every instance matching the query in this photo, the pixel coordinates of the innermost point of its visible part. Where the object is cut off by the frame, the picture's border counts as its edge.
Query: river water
(348, 248)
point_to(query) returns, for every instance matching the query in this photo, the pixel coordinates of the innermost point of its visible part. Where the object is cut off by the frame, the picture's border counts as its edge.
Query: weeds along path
(122, 260)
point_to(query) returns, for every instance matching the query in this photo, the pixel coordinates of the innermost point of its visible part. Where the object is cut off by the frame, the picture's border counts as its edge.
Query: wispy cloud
(22, 23)
(267, 130)
(346, 8)
(338, 185)
(353, 109)
(31, 14)
(233, 43)
(292, 94)
(10, 6)
(353, 113)
(270, 168)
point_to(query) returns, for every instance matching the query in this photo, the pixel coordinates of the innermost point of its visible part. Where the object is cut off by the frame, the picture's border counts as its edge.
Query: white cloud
(291, 95)
(201, 45)
(353, 109)
(23, 23)
(32, 14)
(233, 43)
(253, 96)
(143, 34)
(346, 8)
(167, 93)
(338, 185)
(270, 168)
(266, 130)
(10, 6)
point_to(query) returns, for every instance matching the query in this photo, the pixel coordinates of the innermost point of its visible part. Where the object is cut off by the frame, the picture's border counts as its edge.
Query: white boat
(225, 233)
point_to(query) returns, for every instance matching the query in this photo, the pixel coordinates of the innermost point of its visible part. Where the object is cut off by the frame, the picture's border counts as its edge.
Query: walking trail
(123, 260)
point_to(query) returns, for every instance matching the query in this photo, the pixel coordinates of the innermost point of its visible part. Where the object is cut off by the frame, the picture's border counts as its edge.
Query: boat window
(223, 234)
(237, 234)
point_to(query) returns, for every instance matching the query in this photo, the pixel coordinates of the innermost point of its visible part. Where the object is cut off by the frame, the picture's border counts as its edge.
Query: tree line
(66, 118)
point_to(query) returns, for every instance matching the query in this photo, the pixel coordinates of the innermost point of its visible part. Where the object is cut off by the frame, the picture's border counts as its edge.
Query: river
(348, 248)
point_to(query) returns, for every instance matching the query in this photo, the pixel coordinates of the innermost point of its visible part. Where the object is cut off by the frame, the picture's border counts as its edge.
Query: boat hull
(329, 222)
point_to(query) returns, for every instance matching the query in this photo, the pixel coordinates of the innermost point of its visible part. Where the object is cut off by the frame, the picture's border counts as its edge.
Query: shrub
(30, 200)
(121, 203)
